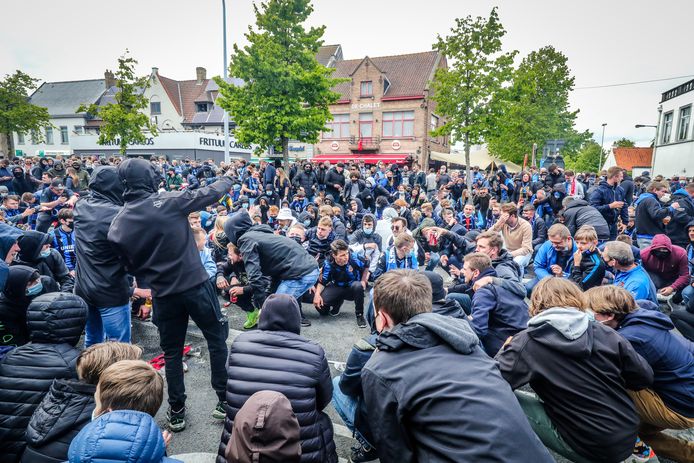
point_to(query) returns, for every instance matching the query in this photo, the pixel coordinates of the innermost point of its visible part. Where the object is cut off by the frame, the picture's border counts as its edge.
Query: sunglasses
(396, 228)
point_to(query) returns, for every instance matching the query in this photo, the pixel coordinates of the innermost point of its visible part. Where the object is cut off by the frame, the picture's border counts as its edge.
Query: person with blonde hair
(580, 372)
(668, 403)
(217, 240)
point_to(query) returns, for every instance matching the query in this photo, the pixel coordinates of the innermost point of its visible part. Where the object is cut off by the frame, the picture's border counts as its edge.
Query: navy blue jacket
(345, 275)
(603, 195)
(649, 215)
(670, 356)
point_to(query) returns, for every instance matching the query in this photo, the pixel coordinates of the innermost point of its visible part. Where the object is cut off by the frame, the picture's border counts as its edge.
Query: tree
(286, 92)
(125, 121)
(464, 92)
(624, 143)
(535, 108)
(587, 159)
(16, 113)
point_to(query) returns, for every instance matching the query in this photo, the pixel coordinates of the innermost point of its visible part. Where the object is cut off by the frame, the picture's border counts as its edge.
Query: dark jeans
(170, 315)
(613, 231)
(43, 222)
(684, 322)
(462, 299)
(659, 281)
(334, 296)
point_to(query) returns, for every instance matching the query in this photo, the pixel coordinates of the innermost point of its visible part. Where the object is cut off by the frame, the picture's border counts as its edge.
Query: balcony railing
(364, 143)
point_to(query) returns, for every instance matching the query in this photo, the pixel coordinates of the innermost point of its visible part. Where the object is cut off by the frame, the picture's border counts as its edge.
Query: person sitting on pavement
(415, 414)
(538, 225)
(651, 216)
(36, 252)
(580, 372)
(668, 403)
(345, 276)
(555, 256)
(668, 267)
(127, 397)
(55, 322)
(276, 357)
(517, 234)
(629, 275)
(578, 213)
(587, 267)
(265, 429)
(496, 313)
(69, 404)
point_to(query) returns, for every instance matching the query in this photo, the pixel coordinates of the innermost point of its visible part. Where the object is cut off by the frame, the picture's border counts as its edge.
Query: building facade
(385, 111)
(674, 145)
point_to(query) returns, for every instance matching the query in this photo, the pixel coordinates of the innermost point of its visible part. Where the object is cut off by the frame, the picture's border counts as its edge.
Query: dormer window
(201, 107)
(367, 88)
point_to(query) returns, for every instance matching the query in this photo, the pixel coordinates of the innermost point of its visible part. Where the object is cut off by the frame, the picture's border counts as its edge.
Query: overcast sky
(607, 42)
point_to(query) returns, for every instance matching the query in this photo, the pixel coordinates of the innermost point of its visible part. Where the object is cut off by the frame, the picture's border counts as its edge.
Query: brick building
(385, 111)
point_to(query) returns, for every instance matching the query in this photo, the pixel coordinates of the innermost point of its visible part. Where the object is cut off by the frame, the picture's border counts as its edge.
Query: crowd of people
(561, 304)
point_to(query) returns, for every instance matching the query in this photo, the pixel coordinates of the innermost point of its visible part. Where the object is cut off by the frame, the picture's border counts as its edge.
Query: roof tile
(628, 158)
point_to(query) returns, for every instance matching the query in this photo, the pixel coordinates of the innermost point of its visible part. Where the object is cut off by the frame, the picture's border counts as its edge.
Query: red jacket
(673, 268)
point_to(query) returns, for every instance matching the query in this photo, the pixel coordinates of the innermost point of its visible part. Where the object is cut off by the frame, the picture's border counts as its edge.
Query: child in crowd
(64, 239)
(200, 236)
(588, 268)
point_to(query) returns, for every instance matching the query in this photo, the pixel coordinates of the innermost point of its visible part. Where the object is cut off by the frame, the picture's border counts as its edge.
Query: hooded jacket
(581, 370)
(266, 254)
(674, 268)
(277, 358)
(53, 266)
(151, 232)
(125, 436)
(8, 237)
(13, 306)
(650, 213)
(100, 277)
(265, 431)
(677, 228)
(56, 322)
(579, 213)
(601, 198)
(422, 412)
(669, 354)
(65, 410)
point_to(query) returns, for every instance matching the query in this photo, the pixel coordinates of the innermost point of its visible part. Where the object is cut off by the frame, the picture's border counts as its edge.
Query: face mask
(35, 290)
(45, 253)
(296, 238)
(662, 253)
(306, 223)
(368, 231)
(245, 205)
(17, 174)
(665, 198)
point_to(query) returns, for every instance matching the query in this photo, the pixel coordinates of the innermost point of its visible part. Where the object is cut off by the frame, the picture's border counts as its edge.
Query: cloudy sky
(607, 42)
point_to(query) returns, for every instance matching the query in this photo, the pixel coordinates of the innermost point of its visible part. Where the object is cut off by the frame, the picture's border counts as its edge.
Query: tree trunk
(468, 170)
(10, 145)
(285, 153)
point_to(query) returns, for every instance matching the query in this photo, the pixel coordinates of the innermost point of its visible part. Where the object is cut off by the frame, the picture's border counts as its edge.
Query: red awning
(367, 158)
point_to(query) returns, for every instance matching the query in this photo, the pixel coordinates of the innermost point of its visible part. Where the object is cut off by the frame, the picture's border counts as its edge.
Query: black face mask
(661, 253)
(18, 174)
(76, 167)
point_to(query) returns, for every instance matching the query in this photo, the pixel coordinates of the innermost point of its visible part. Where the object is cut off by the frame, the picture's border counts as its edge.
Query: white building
(674, 147)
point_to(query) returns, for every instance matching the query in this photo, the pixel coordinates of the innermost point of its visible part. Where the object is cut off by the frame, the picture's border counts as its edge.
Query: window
(64, 137)
(398, 124)
(20, 138)
(35, 139)
(434, 122)
(683, 124)
(667, 127)
(77, 129)
(366, 125)
(367, 88)
(201, 107)
(155, 107)
(338, 127)
(49, 135)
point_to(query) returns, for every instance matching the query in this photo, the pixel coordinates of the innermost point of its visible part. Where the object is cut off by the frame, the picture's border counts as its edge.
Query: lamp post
(655, 139)
(226, 115)
(602, 149)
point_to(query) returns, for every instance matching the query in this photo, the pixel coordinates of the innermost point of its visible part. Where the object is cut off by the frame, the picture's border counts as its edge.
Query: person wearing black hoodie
(23, 183)
(100, 277)
(677, 228)
(23, 284)
(277, 358)
(265, 254)
(580, 372)
(154, 239)
(36, 252)
(55, 321)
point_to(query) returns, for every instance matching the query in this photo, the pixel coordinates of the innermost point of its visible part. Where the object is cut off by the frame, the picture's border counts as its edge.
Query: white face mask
(665, 198)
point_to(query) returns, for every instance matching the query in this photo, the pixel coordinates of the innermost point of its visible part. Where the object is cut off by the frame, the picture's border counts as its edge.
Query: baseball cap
(57, 184)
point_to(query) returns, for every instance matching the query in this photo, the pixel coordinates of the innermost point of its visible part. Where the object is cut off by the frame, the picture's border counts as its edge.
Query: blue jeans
(297, 288)
(346, 407)
(462, 299)
(434, 259)
(688, 294)
(107, 323)
(370, 312)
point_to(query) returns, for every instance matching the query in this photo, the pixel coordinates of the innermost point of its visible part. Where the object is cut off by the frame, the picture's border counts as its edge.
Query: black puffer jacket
(55, 321)
(53, 266)
(277, 358)
(266, 254)
(62, 413)
(100, 277)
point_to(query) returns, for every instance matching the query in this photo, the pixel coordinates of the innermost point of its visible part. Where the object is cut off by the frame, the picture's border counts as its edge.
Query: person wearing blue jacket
(555, 256)
(651, 214)
(609, 199)
(668, 402)
(496, 312)
(630, 276)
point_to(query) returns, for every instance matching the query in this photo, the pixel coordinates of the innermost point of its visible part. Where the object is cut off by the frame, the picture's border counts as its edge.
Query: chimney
(109, 79)
(201, 74)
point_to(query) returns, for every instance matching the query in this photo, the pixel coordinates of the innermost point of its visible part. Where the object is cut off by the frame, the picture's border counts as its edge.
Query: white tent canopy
(480, 157)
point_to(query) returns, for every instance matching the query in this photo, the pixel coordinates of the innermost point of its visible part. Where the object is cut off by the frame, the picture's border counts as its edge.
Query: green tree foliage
(287, 92)
(586, 159)
(16, 113)
(624, 143)
(125, 121)
(535, 108)
(478, 70)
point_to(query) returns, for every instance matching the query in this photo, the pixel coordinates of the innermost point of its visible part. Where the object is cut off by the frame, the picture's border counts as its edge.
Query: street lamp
(655, 139)
(638, 126)
(226, 115)
(602, 149)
